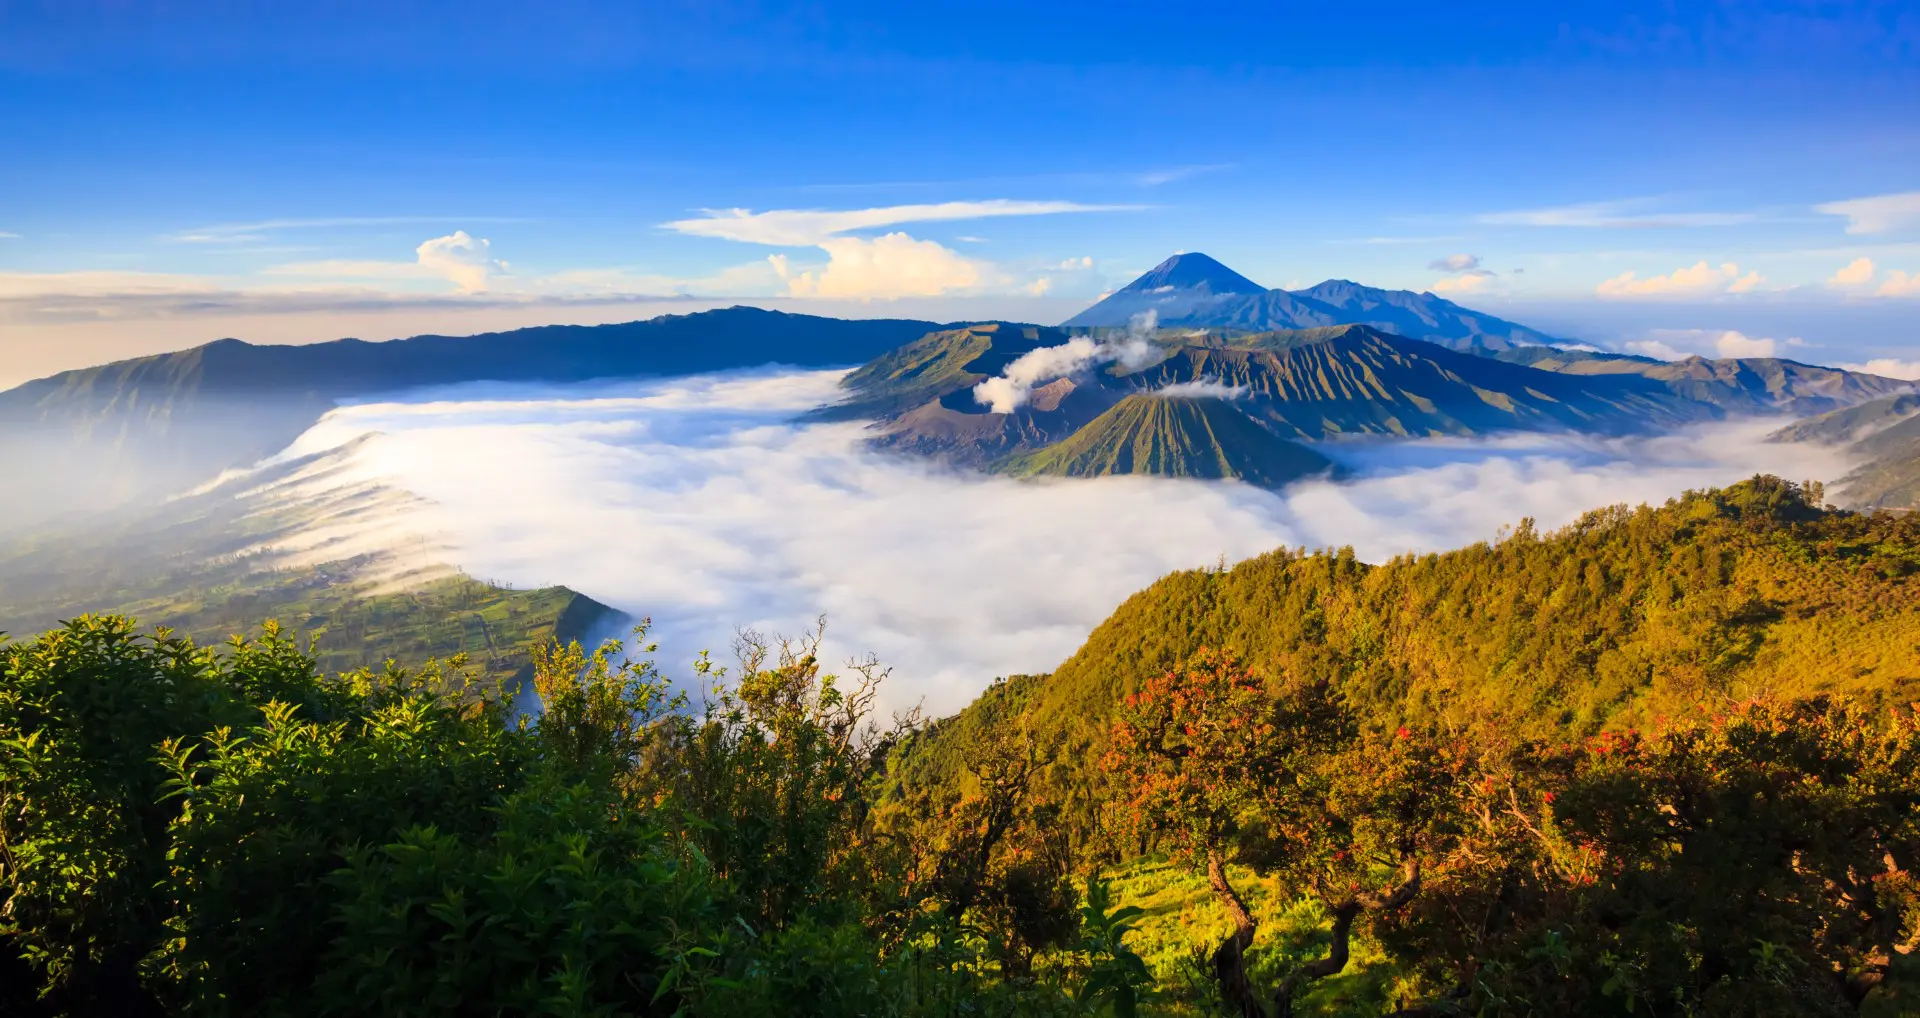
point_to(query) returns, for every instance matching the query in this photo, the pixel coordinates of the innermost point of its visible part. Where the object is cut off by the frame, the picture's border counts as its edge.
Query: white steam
(698, 502)
(1010, 391)
(1200, 388)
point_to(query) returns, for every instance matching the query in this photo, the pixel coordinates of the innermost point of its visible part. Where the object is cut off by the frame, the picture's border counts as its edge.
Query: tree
(1210, 763)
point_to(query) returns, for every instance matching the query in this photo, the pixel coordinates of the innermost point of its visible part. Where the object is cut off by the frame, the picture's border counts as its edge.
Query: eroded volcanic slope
(1308, 384)
(1173, 436)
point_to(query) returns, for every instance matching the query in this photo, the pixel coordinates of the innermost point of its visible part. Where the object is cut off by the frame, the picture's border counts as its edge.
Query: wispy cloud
(1389, 241)
(1155, 178)
(809, 227)
(243, 233)
(1878, 214)
(1617, 215)
(4, 235)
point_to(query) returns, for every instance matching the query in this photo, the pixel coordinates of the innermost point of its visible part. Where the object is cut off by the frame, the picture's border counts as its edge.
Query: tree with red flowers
(1209, 760)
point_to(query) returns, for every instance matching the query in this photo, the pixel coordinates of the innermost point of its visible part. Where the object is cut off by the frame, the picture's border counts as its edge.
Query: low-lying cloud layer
(699, 502)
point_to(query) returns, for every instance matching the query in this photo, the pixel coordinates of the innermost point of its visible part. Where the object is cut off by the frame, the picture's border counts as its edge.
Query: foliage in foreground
(184, 831)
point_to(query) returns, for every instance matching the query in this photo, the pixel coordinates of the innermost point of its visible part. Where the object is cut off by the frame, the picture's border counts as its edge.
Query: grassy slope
(1628, 615)
(1713, 597)
(1177, 437)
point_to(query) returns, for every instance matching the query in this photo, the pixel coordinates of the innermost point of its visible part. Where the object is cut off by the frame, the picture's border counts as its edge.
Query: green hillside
(1172, 437)
(1623, 617)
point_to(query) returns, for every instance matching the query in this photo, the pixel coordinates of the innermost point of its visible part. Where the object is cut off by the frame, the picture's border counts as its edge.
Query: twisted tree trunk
(1337, 953)
(1230, 958)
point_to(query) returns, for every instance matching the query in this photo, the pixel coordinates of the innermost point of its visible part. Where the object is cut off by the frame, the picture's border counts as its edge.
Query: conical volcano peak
(1193, 271)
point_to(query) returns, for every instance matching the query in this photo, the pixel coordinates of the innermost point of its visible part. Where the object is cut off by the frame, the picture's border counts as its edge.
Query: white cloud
(1612, 215)
(1039, 287)
(888, 266)
(811, 227)
(457, 257)
(4, 235)
(1887, 367)
(1858, 272)
(1455, 263)
(1878, 214)
(1080, 264)
(1736, 344)
(1657, 349)
(699, 503)
(1677, 344)
(461, 259)
(1699, 278)
(1900, 284)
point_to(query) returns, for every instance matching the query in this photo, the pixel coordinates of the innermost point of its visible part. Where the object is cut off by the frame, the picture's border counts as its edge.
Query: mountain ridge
(159, 423)
(1214, 302)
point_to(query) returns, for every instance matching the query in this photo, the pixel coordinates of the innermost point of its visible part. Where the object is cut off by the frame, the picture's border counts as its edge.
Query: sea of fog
(701, 503)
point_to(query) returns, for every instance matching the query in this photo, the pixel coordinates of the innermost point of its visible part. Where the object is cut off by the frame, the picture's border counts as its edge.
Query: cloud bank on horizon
(700, 503)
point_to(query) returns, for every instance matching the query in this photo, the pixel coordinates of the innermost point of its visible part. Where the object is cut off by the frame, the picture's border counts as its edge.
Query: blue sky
(1653, 174)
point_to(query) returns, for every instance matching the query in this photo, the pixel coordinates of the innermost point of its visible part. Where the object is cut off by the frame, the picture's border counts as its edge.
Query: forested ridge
(1661, 762)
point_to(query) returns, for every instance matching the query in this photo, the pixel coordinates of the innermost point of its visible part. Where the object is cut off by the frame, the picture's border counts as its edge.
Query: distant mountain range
(1193, 290)
(1312, 384)
(1387, 363)
(103, 436)
(1331, 361)
(1883, 438)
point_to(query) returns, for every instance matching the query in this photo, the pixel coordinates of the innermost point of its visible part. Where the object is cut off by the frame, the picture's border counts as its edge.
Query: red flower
(1404, 733)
